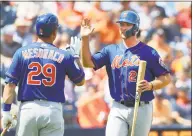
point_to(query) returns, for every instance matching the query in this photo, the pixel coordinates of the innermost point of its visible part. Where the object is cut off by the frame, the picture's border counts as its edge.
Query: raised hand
(75, 43)
(86, 28)
(74, 46)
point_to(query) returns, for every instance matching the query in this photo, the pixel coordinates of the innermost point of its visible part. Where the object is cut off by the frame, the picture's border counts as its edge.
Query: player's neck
(131, 41)
(45, 40)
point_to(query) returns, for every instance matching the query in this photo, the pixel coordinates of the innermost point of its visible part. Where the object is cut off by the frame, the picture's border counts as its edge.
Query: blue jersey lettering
(40, 70)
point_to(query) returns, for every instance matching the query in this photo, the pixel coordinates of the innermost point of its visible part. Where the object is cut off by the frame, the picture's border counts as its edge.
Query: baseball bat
(7, 127)
(4, 131)
(140, 76)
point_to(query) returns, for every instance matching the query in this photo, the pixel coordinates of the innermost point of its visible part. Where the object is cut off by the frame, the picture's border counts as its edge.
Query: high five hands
(86, 28)
(75, 43)
(74, 46)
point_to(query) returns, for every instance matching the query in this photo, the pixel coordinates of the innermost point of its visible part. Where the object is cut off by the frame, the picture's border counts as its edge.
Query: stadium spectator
(29, 11)
(8, 13)
(184, 17)
(182, 110)
(22, 35)
(161, 110)
(125, 5)
(156, 10)
(144, 16)
(70, 19)
(95, 13)
(8, 47)
(183, 81)
(173, 29)
(177, 64)
(92, 109)
(159, 44)
(107, 30)
(157, 23)
(63, 40)
(70, 109)
(170, 93)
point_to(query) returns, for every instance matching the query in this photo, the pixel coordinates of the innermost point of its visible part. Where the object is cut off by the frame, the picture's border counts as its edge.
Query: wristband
(151, 85)
(76, 56)
(6, 107)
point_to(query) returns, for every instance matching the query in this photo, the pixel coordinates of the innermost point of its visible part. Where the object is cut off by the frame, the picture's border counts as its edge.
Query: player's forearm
(86, 54)
(161, 82)
(9, 93)
(80, 66)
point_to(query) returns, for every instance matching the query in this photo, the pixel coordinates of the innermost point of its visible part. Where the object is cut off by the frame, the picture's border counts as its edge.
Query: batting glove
(74, 46)
(8, 119)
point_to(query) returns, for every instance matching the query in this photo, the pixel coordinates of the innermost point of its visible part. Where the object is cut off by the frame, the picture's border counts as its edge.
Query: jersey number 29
(51, 75)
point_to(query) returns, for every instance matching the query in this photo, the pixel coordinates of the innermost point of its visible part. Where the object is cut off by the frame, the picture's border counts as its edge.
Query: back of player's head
(46, 24)
(130, 17)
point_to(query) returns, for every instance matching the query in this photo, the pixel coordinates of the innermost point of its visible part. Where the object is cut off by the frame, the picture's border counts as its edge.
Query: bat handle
(137, 97)
(4, 131)
(8, 125)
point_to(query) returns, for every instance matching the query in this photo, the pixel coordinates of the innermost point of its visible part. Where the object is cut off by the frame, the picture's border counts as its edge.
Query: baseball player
(39, 70)
(121, 61)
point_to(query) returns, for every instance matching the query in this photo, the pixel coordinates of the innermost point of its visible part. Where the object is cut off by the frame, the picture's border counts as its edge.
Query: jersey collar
(49, 44)
(125, 48)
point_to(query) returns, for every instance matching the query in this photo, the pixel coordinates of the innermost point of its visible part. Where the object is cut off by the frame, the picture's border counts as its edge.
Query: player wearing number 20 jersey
(122, 65)
(40, 70)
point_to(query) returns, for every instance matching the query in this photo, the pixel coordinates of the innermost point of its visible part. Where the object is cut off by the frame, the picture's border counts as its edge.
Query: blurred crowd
(165, 26)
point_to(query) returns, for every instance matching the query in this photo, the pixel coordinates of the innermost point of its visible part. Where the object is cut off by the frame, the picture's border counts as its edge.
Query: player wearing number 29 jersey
(40, 70)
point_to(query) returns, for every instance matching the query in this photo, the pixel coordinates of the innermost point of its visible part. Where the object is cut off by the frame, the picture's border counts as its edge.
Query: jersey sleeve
(158, 67)
(74, 72)
(14, 72)
(101, 58)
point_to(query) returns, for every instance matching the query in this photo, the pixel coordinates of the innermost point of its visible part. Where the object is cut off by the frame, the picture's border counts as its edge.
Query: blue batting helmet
(132, 18)
(46, 24)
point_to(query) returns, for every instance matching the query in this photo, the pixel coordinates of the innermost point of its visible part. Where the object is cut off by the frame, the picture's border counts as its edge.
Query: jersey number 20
(44, 70)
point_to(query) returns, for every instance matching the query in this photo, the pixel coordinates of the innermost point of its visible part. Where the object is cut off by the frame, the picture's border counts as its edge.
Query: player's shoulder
(19, 50)
(150, 50)
(31, 45)
(145, 45)
(111, 47)
(68, 55)
(114, 45)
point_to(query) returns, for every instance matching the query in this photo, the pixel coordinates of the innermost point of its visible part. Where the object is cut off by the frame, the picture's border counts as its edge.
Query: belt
(132, 103)
(32, 100)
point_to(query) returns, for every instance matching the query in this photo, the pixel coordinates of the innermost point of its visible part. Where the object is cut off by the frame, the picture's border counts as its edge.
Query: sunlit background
(165, 26)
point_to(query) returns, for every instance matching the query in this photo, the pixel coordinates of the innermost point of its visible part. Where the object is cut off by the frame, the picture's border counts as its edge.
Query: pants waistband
(132, 103)
(43, 103)
(32, 100)
(39, 100)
